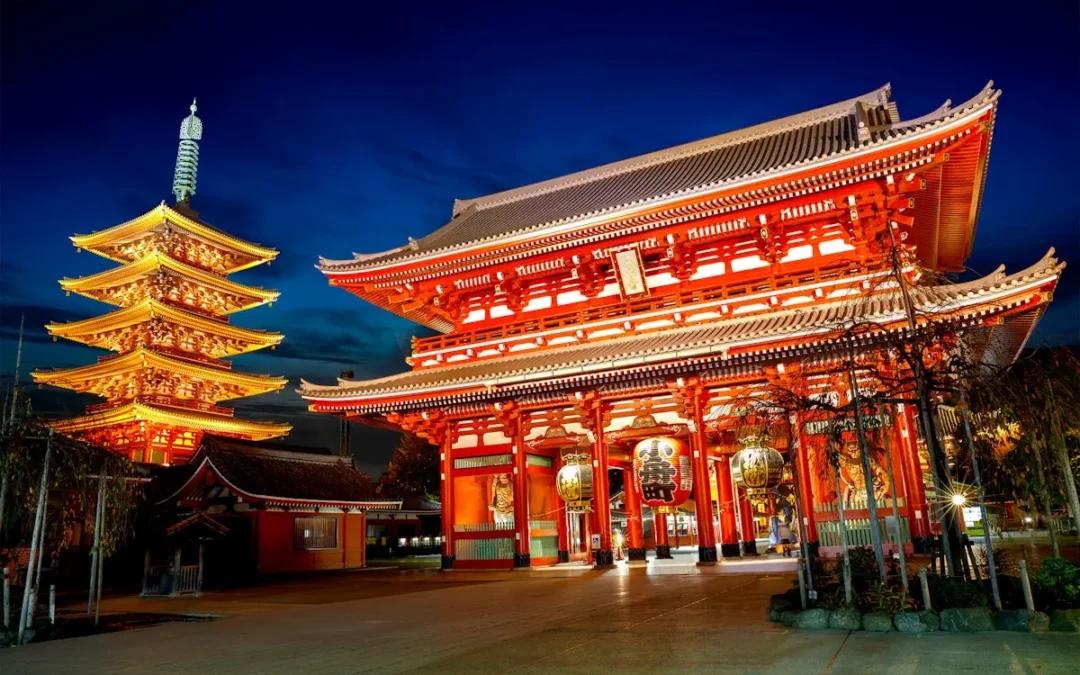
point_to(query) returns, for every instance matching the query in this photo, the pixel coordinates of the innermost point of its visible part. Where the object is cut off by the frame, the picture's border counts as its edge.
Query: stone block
(909, 622)
(1065, 620)
(1022, 621)
(931, 620)
(814, 619)
(846, 618)
(967, 619)
(877, 622)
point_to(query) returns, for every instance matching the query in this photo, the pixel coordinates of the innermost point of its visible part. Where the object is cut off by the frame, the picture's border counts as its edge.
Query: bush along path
(956, 605)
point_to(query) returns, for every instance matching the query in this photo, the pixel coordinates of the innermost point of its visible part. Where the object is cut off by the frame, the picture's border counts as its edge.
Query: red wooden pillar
(914, 488)
(729, 534)
(601, 490)
(663, 549)
(447, 499)
(522, 530)
(706, 531)
(806, 492)
(635, 549)
(749, 531)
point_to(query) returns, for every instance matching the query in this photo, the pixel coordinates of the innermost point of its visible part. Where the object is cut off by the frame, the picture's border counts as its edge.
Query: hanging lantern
(574, 482)
(662, 473)
(757, 466)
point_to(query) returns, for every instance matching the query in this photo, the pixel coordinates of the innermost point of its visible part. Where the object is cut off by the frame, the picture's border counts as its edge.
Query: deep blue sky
(330, 130)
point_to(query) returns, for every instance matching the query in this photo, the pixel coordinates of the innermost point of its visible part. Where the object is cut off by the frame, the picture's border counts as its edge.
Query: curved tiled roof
(143, 412)
(82, 330)
(755, 152)
(700, 339)
(144, 358)
(273, 471)
(154, 262)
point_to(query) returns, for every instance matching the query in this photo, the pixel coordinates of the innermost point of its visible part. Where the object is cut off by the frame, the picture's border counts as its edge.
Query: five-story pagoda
(171, 331)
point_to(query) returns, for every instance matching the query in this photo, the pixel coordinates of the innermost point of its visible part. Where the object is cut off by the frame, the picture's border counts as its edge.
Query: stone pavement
(587, 623)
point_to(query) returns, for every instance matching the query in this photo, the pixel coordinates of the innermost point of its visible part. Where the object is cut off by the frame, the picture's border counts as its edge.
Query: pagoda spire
(187, 157)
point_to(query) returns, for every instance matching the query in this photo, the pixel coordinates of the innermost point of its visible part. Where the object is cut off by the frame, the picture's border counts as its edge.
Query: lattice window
(315, 533)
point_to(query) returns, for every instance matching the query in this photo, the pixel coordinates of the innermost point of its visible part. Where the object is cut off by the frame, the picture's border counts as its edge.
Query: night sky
(334, 130)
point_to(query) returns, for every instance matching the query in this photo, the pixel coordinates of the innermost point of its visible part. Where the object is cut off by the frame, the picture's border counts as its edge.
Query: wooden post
(198, 582)
(925, 587)
(1029, 601)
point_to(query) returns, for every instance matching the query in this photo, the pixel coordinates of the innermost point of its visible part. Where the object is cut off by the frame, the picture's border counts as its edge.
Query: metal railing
(162, 580)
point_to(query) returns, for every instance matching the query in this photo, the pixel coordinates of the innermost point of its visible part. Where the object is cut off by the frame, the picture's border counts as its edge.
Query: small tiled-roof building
(287, 508)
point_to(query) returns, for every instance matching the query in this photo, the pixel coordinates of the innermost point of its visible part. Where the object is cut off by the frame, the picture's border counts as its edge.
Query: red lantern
(662, 473)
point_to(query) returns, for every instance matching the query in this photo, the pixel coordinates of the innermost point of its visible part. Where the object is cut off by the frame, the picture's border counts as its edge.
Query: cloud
(36, 317)
(417, 166)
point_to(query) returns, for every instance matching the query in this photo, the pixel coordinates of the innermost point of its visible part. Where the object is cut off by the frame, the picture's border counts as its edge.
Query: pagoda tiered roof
(106, 331)
(795, 155)
(145, 365)
(119, 243)
(147, 269)
(734, 343)
(117, 419)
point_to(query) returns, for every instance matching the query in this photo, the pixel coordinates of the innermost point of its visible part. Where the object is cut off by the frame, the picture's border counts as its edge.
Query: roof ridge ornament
(187, 157)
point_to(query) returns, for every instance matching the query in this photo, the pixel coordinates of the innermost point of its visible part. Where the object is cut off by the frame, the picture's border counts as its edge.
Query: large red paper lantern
(662, 473)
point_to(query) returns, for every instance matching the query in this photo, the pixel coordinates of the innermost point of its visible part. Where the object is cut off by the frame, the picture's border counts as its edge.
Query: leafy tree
(414, 469)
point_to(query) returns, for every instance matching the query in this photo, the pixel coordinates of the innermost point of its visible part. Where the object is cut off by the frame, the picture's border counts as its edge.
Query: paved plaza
(426, 622)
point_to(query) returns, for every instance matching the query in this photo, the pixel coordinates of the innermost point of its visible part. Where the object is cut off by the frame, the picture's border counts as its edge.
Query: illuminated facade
(617, 317)
(170, 331)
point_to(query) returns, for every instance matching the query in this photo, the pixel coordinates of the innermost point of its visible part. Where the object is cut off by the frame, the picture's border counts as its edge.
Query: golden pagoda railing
(626, 310)
(167, 401)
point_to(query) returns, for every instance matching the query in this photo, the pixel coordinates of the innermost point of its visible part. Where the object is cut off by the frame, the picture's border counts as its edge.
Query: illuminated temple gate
(614, 318)
(171, 330)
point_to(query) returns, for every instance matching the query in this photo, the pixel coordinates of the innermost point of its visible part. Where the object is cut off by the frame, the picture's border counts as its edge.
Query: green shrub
(832, 597)
(885, 598)
(864, 569)
(1057, 585)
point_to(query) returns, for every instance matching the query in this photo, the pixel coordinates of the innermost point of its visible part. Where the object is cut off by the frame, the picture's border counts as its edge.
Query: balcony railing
(629, 309)
(158, 400)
